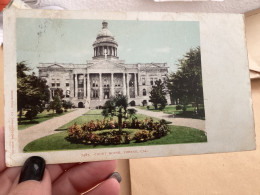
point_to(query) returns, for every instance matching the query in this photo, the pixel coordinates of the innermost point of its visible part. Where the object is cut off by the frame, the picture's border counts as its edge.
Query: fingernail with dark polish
(33, 169)
(116, 176)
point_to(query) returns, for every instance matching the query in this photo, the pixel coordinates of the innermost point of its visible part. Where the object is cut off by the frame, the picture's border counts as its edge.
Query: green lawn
(171, 109)
(94, 115)
(177, 135)
(44, 116)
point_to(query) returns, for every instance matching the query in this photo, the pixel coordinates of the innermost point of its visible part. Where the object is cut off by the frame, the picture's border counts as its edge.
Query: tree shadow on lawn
(25, 123)
(29, 122)
(90, 114)
(188, 114)
(61, 129)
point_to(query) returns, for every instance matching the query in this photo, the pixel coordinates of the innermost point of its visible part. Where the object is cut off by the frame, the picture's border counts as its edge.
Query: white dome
(105, 33)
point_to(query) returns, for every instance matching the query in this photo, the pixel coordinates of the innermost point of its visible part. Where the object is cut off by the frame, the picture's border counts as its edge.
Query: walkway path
(46, 128)
(188, 122)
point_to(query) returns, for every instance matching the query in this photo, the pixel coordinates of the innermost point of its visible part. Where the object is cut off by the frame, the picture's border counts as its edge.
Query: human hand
(73, 178)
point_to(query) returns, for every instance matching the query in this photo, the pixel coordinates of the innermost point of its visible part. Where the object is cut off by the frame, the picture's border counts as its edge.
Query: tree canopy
(32, 91)
(186, 84)
(157, 95)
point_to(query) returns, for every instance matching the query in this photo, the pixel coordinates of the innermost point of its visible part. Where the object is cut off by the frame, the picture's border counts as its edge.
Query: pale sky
(70, 40)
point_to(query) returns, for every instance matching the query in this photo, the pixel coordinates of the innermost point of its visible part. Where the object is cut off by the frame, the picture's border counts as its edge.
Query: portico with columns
(101, 86)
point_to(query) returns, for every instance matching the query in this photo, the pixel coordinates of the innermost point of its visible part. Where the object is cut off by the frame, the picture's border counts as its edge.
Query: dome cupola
(105, 45)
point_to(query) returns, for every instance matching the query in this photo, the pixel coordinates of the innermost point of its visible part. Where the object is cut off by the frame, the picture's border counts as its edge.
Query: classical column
(71, 88)
(100, 86)
(127, 85)
(84, 85)
(88, 87)
(124, 85)
(135, 85)
(76, 85)
(115, 51)
(112, 84)
(147, 79)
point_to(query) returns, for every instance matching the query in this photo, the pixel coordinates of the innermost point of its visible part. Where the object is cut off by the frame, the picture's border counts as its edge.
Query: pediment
(150, 66)
(106, 65)
(55, 66)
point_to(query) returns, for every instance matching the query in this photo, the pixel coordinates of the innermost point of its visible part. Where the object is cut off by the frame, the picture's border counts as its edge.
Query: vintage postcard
(96, 86)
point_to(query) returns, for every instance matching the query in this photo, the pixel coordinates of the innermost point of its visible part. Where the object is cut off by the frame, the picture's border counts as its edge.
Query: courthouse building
(92, 84)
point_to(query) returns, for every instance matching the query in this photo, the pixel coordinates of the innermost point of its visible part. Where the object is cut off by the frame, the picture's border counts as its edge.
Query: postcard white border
(226, 85)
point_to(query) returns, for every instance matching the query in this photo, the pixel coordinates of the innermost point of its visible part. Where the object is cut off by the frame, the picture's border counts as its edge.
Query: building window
(68, 93)
(118, 83)
(58, 84)
(80, 94)
(53, 84)
(143, 81)
(131, 81)
(67, 84)
(80, 83)
(95, 83)
(106, 84)
(144, 92)
(106, 94)
(95, 93)
(151, 81)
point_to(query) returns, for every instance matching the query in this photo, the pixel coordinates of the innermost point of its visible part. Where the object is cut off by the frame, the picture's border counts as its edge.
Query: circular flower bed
(87, 133)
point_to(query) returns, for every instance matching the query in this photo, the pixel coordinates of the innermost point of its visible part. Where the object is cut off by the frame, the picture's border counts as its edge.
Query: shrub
(31, 114)
(67, 104)
(161, 130)
(126, 138)
(95, 139)
(40, 109)
(150, 124)
(59, 111)
(142, 136)
(76, 134)
(144, 102)
(178, 107)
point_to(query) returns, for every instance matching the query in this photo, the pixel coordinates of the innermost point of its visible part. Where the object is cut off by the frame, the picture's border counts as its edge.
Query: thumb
(34, 179)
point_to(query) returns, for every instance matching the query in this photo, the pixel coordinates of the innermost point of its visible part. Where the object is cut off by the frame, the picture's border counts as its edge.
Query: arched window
(144, 92)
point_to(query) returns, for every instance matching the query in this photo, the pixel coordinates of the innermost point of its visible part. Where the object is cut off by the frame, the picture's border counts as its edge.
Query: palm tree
(117, 106)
